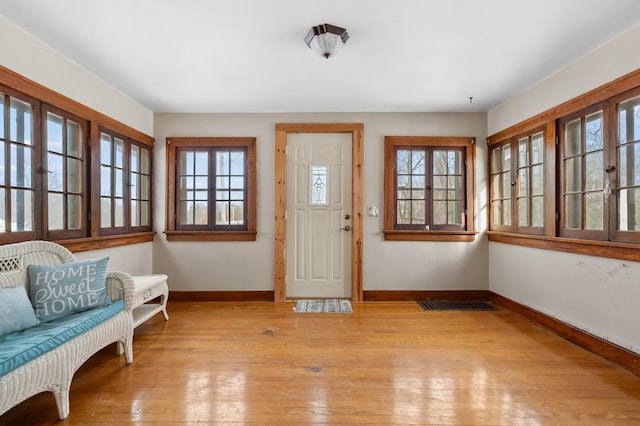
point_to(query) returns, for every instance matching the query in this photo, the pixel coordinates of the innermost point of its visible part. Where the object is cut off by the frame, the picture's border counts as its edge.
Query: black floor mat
(456, 306)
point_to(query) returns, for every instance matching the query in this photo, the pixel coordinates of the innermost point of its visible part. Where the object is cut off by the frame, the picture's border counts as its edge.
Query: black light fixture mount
(326, 39)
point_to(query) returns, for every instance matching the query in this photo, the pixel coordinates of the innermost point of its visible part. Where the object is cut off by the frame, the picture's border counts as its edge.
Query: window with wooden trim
(65, 139)
(517, 184)
(429, 188)
(582, 175)
(212, 189)
(50, 175)
(18, 165)
(125, 184)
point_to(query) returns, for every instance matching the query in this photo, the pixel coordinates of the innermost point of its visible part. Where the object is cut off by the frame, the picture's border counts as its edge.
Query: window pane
(507, 212)
(119, 183)
(523, 212)
(629, 210)
(418, 211)
(440, 162)
(74, 175)
(495, 187)
(222, 163)
(238, 182)
(506, 184)
(537, 211)
(417, 182)
(105, 149)
(105, 212)
(523, 152)
(236, 213)
(403, 161)
(318, 182)
(56, 211)
(2, 163)
(105, 180)
(404, 212)
(144, 187)
(455, 187)
(629, 117)
(629, 164)
(74, 139)
(573, 174)
(455, 213)
(573, 211)
(403, 182)
(54, 133)
(144, 213)
(21, 166)
(506, 158)
(187, 163)
(222, 213)
(537, 148)
(119, 212)
(55, 177)
(593, 132)
(22, 210)
(495, 161)
(497, 213)
(186, 213)
(573, 138)
(135, 213)
(417, 162)
(3, 212)
(20, 122)
(237, 163)
(454, 162)
(135, 158)
(74, 212)
(594, 210)
(144, 161)
(2, 127)
(523, 179)
(119, 152)
(134, 186)
(594, 173)
(537, 180)
(440, 212)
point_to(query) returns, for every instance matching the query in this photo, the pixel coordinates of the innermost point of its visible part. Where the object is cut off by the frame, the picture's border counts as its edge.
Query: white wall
(606, 63)
(30, 57)
(387, 265)
(598, 295)
(26, 55)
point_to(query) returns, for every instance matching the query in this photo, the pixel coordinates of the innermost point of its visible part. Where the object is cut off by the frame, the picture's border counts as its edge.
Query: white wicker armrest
(120, 285)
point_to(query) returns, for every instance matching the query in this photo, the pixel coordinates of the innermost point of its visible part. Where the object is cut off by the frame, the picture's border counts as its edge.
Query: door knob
(347, 228)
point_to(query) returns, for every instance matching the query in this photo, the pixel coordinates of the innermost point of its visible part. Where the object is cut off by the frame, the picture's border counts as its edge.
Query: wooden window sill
(609, 249)
(211, 235)
(455, 236)
(95, 243)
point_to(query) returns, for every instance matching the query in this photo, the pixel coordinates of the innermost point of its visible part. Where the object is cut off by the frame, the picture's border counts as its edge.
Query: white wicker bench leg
(62, 400)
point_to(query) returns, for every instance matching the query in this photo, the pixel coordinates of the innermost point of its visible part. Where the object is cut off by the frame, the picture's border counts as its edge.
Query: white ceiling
(249, 55)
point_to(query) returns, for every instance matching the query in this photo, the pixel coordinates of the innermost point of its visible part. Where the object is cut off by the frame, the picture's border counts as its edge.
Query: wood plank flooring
(259, 363)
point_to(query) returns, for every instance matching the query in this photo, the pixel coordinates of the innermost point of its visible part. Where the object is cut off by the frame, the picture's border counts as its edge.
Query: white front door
(318, 215)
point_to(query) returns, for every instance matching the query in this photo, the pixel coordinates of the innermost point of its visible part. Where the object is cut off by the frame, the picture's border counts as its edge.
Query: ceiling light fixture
(326, 39)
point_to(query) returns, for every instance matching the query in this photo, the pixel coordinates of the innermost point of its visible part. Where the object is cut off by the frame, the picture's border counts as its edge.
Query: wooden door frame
(357, 182)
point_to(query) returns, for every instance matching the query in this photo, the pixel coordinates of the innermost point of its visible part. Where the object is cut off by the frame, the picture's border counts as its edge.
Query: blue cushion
(16, 312)
(18, 348)
(61, 290)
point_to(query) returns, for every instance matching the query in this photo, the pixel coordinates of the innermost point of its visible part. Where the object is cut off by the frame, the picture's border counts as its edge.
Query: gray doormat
(326, 305)
(456, 306)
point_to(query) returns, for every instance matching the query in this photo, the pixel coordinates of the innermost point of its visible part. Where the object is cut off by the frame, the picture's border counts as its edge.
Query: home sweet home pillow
(61, 290)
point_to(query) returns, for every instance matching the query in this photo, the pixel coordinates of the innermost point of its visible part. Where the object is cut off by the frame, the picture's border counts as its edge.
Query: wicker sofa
(53, 370)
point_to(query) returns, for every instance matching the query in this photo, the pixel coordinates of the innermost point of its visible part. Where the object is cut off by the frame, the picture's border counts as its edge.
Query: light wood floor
(387, 363)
